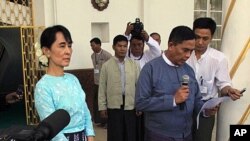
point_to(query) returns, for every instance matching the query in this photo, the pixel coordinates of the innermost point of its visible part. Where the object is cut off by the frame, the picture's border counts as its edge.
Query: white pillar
(236, 36)
(45, 12)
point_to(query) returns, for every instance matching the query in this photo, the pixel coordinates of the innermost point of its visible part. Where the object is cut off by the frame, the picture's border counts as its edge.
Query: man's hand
(129, 28)
(104, 114)
(12, 98)
(138, 113)
(233, 93)
(211, 112)
(145, 35)
(181, 94)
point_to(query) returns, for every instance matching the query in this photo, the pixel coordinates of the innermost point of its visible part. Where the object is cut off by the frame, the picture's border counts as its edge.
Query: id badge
(96, 70)
(203, 89)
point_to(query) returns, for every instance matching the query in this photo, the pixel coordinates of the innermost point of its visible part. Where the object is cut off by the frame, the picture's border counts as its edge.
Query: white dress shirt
(211, 72)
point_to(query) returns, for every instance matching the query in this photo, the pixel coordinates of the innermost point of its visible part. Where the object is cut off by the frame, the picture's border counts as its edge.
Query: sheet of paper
(211, 104)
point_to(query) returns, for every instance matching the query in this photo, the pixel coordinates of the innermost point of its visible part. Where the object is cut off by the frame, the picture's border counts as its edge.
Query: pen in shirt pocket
(201, 80)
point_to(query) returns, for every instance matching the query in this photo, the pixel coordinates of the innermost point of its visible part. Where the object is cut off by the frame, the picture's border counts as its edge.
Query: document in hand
(211, 104)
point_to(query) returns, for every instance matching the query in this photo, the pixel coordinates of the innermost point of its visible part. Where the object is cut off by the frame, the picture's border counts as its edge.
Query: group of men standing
(136, 83)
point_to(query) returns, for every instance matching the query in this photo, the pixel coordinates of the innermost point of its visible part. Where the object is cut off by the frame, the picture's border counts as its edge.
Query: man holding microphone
(168, 93)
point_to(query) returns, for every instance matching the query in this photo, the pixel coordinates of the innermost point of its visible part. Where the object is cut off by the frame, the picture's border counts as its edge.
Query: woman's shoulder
(70, 76)
(44, 79)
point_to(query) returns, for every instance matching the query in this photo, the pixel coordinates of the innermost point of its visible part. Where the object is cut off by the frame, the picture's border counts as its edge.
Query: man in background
(137, 53)
(99, 57)
(211, 71)
(156, 36)
(137, 43)
(116, 98)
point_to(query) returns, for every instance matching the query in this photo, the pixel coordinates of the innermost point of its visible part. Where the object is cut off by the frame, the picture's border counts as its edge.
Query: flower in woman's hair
(37, 46)
(43, 60)
(39, 52)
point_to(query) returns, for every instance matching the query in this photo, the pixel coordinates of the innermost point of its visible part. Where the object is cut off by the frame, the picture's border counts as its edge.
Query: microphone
(52, 125)
(45, 131)
(185, 80)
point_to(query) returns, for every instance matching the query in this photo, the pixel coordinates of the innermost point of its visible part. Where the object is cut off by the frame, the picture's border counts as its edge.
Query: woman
(59, 90)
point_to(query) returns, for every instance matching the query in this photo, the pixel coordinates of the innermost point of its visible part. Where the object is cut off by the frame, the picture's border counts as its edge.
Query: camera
(138, 27)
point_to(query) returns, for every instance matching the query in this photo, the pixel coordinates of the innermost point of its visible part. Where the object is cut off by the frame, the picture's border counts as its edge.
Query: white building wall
(236, 36)
(77, 15)
(162, 16)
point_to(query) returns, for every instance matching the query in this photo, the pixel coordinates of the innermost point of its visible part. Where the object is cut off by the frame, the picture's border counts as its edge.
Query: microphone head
(53, 124)
(185, 79)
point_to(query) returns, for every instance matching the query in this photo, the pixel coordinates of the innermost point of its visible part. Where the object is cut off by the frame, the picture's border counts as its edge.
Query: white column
(45, 12)
(236, 36)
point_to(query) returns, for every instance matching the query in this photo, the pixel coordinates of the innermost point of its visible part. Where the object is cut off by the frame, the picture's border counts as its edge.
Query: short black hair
(155, 33)
(205, 22)
(180, 34)
(137, 38)
(48, 36)
(96, 41)
(119, 38)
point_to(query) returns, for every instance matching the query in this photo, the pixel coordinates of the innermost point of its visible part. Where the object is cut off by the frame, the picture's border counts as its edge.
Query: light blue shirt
(63, 92)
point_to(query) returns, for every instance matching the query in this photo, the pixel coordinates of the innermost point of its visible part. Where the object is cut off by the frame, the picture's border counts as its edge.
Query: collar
(99, 52)
(118, 61)
(168, 61)
(206, 52)
(130, 55)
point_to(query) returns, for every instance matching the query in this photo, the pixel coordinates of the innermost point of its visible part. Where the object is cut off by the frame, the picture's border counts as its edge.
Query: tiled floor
(101, 134)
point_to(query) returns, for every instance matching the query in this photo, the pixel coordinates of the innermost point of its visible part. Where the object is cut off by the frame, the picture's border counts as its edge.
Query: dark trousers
(96, 112)
(121, 125)
(204, 132)
(153, 136)
(140, 128)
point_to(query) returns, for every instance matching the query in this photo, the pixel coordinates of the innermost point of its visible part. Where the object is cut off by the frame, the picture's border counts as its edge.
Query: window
(213, 9)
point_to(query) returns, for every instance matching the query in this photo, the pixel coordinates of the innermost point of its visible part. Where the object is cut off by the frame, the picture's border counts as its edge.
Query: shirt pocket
(209, 84)
(165, 87)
